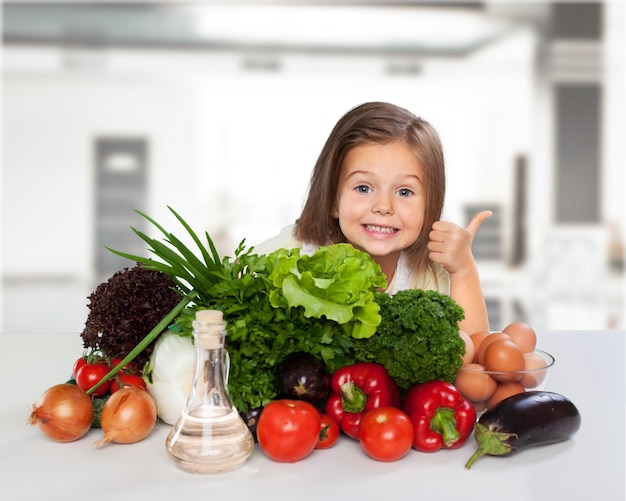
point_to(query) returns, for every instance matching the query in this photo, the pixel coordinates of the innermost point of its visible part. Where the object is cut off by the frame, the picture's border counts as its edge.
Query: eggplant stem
(491, 442)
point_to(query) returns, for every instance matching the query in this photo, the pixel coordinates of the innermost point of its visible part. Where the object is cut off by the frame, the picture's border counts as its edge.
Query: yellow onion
(63, 412)
(128, 416)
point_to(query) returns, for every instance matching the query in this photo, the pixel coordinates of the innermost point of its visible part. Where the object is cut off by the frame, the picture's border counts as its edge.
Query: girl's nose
(382, 205)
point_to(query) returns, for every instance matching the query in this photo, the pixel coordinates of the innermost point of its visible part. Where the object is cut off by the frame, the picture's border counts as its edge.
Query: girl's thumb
(476, 221)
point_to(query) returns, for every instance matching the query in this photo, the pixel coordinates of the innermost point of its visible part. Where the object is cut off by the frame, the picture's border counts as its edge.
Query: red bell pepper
(357, 388)
(441, 417)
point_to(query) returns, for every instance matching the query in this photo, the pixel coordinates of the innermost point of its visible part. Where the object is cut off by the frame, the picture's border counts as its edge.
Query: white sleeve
(284, 240)
(403, 279)
(440, 281)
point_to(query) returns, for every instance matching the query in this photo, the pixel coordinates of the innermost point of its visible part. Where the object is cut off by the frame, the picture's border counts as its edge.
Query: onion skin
(63, 413)
(128, 416)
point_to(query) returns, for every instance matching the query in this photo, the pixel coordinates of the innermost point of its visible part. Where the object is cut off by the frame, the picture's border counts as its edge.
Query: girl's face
(381, 200)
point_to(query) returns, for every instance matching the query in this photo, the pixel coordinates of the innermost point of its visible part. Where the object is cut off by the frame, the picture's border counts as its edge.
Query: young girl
(379, 185)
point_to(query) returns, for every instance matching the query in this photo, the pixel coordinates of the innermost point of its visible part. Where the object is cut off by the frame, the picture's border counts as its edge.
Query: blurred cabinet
(120, 188)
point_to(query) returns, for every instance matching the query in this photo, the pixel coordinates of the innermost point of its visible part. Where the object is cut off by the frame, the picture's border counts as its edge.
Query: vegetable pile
(316, 351)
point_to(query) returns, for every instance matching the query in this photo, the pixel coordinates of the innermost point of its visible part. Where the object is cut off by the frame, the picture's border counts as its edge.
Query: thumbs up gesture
(450, 245)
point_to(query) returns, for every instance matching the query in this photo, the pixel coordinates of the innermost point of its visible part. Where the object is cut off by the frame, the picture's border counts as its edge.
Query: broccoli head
(418, 337)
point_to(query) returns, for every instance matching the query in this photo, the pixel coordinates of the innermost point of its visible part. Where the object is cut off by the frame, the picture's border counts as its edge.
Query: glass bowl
(484, 388)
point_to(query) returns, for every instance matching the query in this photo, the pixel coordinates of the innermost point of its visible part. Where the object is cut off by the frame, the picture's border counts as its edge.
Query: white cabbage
(173, 362)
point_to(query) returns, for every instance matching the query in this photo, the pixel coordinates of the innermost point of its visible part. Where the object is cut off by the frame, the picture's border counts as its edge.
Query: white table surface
(589, 370)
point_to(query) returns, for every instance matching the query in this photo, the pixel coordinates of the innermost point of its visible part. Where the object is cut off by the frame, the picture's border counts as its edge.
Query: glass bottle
(210, 436)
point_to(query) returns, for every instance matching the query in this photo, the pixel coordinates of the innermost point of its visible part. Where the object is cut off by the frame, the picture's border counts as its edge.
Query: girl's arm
(451, 247)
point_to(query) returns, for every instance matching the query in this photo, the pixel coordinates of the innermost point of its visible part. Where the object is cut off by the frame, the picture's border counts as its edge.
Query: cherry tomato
(386, 433)
(130, 367)
(288, 430)
(77, 365)
(329, 432)
(126, 380)
(90, 374)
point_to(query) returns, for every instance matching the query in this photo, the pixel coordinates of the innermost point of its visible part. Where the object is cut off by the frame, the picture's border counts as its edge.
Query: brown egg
(533, 362)
(505, 359)
(523, 335)
(477, 339)
(503, 391)
(491, 338)
(474, 383)
(470, 351)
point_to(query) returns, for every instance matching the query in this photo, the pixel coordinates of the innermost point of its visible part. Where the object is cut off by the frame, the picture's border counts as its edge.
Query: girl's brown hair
(380, 123)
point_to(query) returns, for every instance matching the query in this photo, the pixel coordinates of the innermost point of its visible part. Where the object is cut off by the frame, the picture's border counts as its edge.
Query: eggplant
(302, 376)
(525, 420)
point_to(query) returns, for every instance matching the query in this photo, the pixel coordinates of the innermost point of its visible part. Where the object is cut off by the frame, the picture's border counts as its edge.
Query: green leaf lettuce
(337, 282)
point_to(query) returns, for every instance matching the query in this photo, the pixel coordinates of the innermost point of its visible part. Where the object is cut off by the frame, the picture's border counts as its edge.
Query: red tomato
(77, 365)
(288, 430)
(126, 380)
(386, 433)
(90, 374)
(329, 432)
(130, 367)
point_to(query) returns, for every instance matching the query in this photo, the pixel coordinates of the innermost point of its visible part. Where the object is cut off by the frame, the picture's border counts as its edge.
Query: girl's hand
(451, 245)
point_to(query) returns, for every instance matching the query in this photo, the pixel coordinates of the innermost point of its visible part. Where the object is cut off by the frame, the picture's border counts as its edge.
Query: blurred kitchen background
(219, 110)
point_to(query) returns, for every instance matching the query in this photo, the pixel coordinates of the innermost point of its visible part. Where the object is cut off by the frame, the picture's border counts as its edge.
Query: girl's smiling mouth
(379, 229)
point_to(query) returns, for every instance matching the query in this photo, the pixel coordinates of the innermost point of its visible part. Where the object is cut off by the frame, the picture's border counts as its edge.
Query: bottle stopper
(209, 316)
(209, 325)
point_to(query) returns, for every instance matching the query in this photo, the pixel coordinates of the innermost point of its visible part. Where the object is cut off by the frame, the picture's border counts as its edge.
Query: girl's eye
(404, 192)
(363, 189)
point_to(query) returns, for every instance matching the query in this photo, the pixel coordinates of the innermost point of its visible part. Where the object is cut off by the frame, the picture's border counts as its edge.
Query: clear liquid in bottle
(210, 436)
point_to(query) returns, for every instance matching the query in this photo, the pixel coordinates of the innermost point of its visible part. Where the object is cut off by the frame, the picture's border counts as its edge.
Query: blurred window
(576, 21)
(578, 153)
(487, 244)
